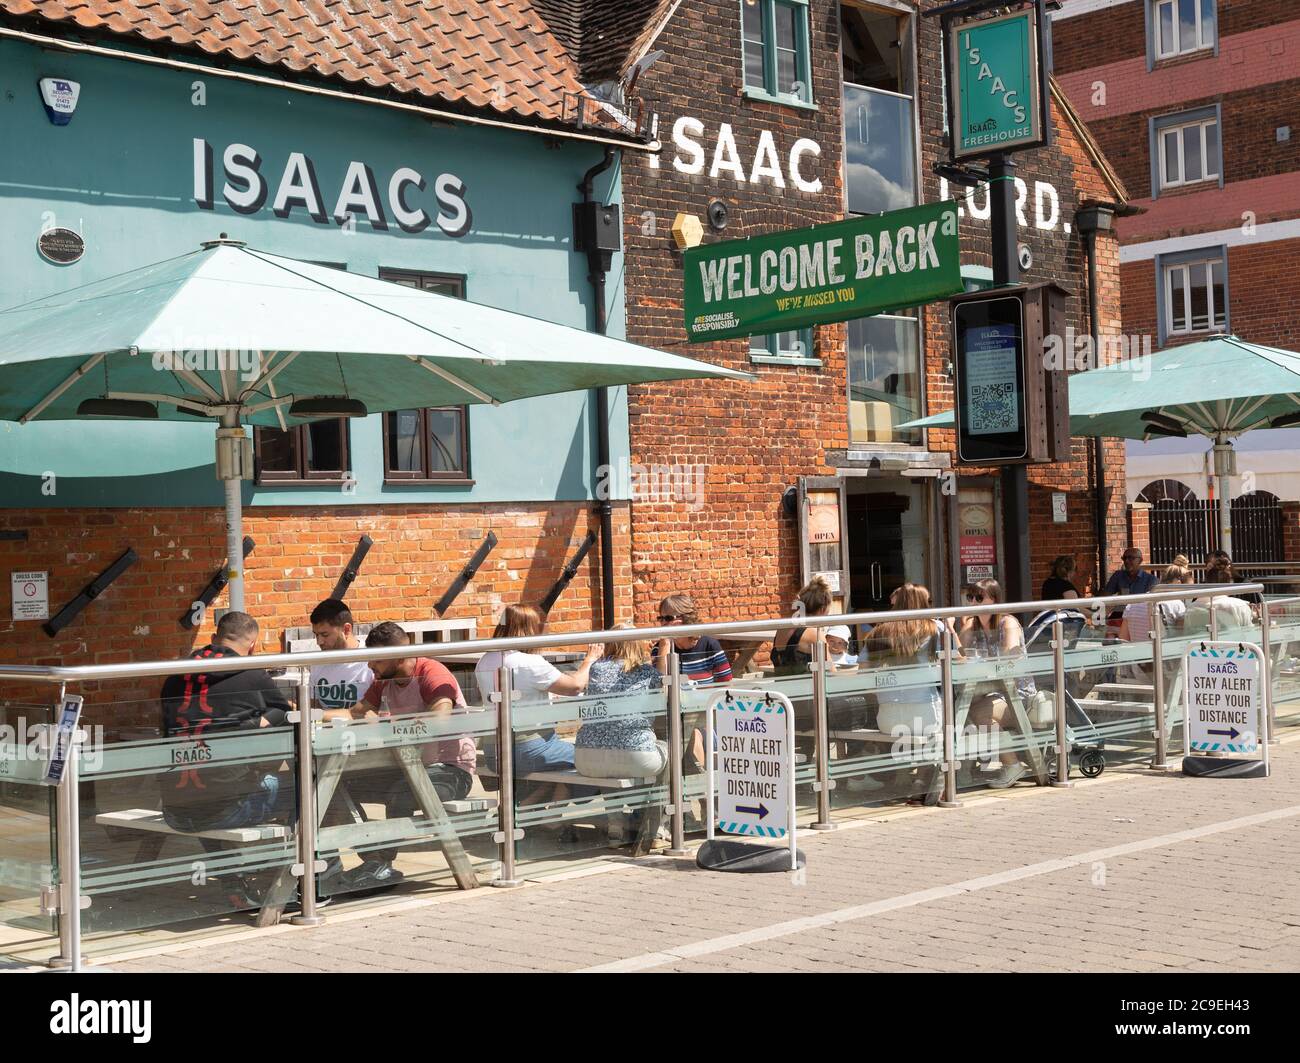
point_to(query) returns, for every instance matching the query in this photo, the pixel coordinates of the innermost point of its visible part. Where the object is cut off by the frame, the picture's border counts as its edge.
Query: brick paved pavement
(1027, 882)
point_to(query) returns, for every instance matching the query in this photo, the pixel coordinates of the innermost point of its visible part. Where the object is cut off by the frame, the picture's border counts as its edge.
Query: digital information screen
(990, 380)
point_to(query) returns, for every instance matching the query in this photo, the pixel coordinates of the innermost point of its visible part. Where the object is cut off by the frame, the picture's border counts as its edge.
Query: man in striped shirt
(703, 660)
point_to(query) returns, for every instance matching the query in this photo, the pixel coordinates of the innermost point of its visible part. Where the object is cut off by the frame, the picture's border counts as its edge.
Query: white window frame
(1201, 43)
(1209, 164)
(1206, 266)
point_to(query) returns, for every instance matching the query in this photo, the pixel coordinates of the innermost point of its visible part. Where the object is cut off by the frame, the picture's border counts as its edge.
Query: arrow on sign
(1231, 734)
(760, 811)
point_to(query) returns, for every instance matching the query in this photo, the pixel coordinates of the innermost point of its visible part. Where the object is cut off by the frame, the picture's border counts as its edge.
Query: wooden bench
(156, 831)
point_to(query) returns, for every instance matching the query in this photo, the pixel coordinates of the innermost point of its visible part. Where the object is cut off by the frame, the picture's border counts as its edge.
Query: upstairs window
(774, 37)
(427, 445)
(1179, 27)
(1195, 296)
(1186, 149)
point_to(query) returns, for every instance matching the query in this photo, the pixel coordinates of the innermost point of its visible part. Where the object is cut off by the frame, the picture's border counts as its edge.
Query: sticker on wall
(59, 95)
(61, 246)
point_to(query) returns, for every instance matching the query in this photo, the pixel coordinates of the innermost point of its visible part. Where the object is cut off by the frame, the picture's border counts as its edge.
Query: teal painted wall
(122, 174)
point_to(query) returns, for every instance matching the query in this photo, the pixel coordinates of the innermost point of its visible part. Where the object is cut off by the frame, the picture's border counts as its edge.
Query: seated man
(226, 792)
(221, 797)
(403, 687)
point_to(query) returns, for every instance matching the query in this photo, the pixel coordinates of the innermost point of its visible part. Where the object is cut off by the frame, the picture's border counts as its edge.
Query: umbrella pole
(235, 542)
(231, 457)
(1222, 466)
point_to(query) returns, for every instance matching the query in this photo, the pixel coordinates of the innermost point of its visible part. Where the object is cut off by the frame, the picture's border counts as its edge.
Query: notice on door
(30, 595)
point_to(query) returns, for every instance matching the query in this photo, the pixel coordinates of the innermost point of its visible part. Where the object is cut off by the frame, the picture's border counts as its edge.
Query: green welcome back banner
(836, 272)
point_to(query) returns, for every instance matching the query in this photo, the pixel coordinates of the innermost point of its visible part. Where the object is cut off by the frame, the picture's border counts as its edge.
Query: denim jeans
(392, 790)
(265, 804)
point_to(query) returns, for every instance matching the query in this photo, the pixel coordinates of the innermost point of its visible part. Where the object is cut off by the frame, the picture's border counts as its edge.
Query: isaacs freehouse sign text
(836, 272)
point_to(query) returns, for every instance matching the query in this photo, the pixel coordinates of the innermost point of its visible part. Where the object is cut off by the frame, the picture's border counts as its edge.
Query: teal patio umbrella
(243, 337)
(1220, 388)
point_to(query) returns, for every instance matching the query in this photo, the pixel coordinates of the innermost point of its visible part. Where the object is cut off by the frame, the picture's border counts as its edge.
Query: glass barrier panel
(183, 826)
(404, 799)
(591, 775)
(27, 815)
(1111, 698)
(1004, 713)
(1284, 636)
(883, 725)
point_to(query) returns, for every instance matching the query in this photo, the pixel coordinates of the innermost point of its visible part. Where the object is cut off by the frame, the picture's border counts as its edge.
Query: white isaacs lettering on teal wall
(246, 189)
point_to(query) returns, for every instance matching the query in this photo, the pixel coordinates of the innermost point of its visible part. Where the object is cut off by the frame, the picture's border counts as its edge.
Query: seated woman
(792, 650)
(1136, 624)
(533, 679)
(1060, 583)
(909, 708)
(624, 747)
(999, 635)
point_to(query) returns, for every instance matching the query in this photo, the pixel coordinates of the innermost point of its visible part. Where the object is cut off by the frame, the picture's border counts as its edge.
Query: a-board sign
(754, 735)
(1223, 698)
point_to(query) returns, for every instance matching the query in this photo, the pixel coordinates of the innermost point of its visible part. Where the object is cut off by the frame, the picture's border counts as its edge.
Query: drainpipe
(1090, 221)
(598, 264)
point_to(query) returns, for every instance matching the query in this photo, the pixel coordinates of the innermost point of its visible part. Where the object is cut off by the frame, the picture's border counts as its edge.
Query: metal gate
(1191, 528)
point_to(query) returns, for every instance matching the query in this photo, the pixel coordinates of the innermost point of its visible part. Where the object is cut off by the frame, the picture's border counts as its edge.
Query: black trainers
(372, 875)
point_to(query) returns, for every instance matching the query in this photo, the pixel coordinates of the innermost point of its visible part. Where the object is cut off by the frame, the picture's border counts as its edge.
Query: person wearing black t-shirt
(201, 792)
(1059, 584)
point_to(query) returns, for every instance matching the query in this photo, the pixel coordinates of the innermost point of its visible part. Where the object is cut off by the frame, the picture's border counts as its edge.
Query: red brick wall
(1117, 33)
(738, 553)
(417, 552)
(1263, 293)
(735, 554)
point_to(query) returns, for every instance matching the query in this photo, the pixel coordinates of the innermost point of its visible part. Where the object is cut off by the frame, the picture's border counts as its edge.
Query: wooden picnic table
(742, 646)
(410, 765)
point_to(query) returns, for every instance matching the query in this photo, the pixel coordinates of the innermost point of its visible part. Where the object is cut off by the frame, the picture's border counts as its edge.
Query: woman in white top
(997, 635)
(533, 679)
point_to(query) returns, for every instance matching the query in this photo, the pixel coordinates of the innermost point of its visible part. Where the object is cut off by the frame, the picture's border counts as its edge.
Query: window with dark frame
(427, 445)
(316, 452)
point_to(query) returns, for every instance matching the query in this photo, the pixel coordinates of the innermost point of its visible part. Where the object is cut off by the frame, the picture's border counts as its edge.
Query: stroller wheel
(1092, 763)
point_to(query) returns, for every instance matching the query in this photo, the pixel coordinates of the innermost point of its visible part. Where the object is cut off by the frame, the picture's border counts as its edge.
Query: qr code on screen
(992, 406)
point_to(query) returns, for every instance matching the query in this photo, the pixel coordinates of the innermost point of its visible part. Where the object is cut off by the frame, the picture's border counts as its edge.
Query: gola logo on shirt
(337, 695)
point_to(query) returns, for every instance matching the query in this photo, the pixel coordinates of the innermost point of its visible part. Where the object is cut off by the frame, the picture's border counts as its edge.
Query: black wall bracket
(89, 593)
(208, 595)
(470, 571)
(570, 570)
(353, 567)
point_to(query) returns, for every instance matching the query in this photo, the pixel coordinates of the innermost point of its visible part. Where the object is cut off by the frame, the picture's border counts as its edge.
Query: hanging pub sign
(997, 82)
(801, 277)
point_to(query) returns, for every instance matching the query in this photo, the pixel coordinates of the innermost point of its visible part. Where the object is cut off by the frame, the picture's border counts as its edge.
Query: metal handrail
(144, 669)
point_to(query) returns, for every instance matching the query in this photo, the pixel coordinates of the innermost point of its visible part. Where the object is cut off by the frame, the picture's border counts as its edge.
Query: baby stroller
(1085, 741)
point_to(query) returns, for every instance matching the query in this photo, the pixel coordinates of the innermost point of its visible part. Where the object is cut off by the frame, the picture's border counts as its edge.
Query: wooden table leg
(1037, 762)
(408, 759)
(282, 886)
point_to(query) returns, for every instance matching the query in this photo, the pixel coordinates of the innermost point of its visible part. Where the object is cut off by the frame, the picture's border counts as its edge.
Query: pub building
(353, 143)
(782, 114)
(144, 137)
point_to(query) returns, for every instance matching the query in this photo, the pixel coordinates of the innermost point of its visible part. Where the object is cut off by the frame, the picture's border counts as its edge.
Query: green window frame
(784, 348)
(761, 52)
